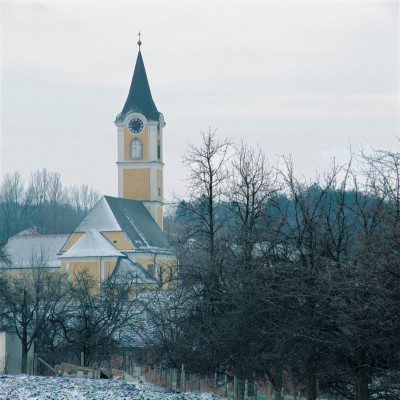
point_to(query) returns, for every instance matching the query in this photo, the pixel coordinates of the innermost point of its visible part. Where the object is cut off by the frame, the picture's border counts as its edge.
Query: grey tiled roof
(138, 225)
(126, 268)
(130, 216)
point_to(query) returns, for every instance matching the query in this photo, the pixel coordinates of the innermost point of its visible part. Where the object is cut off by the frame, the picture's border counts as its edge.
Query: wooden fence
(180, 380)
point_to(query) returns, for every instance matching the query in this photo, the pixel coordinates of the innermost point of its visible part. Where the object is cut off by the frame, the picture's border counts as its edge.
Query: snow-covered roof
(100, 218)
(112, 214)
(126, 268)
(32, 251)
(92, 244)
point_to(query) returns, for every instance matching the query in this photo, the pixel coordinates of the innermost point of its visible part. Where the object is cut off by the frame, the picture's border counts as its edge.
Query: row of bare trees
(62, 321)
(42, 202)
(280, 274)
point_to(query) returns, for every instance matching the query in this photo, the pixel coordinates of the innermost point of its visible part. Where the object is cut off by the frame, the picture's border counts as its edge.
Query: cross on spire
(139, 42)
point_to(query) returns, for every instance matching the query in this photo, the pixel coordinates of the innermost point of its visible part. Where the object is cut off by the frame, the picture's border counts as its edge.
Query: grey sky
(300, 78)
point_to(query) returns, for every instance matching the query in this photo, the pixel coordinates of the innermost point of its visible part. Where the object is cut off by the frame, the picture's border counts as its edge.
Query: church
(125, 233)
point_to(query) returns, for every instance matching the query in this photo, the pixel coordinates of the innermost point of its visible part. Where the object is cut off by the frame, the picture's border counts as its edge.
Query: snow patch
(24, 387)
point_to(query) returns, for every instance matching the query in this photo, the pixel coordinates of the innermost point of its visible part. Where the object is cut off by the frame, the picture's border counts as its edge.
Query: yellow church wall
(169, 272)
(144, 262)
(109, 267)
(63, 267)
(144, 137)
(118, 239)
(159, 217)
(137, 184)
(72, 240)
(159, 185)
(92, 267)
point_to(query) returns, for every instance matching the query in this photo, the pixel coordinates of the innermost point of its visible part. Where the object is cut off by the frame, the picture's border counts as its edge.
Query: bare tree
(45, 190)
(207, 176)
(29, 300)
(15, 206)
(83, 199)
(251, 184)
(100, 323)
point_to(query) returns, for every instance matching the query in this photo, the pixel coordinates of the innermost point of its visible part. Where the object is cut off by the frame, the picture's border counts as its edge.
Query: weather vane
(139, 42)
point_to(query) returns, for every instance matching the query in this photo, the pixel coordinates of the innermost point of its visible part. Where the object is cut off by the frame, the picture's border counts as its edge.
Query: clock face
(135, 125)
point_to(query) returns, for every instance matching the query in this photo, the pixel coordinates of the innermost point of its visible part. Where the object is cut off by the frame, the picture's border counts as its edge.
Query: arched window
(158, 149)
(136, 149)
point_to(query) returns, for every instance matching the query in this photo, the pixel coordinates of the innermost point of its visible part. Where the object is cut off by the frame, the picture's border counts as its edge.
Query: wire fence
(230, 387)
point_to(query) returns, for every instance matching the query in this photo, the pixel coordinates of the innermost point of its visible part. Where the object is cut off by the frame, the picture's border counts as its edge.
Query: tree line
(71, 321)
(281, 275)
(278, 275)
(42, 202)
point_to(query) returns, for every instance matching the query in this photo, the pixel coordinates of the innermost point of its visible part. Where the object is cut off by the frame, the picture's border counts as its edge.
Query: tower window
(136, 149)
(158, 149)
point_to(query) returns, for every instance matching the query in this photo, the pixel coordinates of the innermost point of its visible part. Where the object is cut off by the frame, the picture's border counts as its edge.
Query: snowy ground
(24, 387)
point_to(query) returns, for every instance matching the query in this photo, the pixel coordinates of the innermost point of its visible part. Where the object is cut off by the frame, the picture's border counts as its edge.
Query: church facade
(124, 234)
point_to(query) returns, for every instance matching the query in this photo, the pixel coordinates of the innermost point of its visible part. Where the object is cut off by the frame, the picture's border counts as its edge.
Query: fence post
(255, 390)
(234, 388)
(35, 364)
(282, 394)
(269, 392)
(246, 389)
(226, 387)
(82, 359)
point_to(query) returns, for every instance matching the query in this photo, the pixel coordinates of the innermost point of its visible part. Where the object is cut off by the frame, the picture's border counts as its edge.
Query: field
(23, 387)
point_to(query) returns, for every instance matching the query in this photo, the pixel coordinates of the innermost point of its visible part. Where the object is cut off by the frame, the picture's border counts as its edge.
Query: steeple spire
(139, 97)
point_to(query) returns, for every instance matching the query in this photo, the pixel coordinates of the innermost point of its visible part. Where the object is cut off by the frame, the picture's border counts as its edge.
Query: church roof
(33, 251)
(126, 268)
(100, 218)
(139, 96)
(92, 244)
(138, 225)
(129, 216)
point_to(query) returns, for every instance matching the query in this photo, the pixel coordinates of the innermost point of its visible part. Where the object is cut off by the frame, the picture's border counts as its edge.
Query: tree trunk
(243, 372)
(361, 386)
(24, 360)
(278, 381)
(311, 385)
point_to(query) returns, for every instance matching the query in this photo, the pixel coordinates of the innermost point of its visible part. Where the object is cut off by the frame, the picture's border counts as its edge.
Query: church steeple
(139, 97)
(140, 146)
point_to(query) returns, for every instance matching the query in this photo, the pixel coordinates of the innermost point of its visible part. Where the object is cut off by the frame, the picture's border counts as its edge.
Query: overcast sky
(300, 78)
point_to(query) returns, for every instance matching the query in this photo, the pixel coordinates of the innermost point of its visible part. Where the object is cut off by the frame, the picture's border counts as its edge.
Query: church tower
(140, 145)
